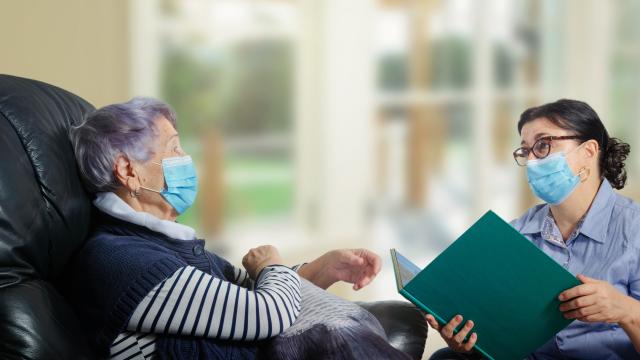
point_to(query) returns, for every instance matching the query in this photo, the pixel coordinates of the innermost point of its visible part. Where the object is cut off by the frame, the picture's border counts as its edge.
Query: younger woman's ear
(591, 148)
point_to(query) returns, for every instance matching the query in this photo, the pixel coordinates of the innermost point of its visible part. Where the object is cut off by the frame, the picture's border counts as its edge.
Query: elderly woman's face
(166, 144)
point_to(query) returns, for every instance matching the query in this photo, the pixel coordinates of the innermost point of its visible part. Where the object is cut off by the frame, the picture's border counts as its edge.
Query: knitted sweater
(122, 263)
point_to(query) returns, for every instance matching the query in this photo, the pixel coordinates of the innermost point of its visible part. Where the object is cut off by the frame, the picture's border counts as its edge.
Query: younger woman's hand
(455, 341)
(595, 301)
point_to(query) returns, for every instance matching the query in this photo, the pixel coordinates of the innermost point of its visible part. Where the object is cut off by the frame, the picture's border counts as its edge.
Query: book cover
(496, 277)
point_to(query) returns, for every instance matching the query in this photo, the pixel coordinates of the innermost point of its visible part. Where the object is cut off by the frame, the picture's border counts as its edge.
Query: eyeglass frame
(544, 138)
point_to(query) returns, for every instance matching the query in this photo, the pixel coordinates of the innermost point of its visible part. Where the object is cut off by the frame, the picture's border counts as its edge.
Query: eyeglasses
(540, 149)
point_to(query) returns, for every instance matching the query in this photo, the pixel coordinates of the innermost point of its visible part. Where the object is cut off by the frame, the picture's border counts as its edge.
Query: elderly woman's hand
(257, 258)
(356, 266)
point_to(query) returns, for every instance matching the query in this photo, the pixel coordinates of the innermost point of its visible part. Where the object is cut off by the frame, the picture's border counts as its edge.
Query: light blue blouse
(606, 246)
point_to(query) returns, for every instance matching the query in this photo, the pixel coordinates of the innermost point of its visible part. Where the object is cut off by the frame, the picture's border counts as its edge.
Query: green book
(496, 277)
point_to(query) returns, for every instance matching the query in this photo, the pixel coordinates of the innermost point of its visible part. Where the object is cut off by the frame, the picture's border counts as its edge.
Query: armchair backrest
(44, 218)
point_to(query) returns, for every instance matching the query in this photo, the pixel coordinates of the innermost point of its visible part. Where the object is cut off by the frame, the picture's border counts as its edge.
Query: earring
(584, 173)
(133, 193)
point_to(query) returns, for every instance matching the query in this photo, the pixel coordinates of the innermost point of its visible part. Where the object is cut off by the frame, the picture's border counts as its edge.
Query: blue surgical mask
(551, 178)
(181, 182)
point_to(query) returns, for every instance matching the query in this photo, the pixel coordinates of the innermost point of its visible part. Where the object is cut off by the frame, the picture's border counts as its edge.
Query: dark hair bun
(612, 163)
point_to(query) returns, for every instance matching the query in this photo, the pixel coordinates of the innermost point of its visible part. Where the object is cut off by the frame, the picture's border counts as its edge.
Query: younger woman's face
(541, 127)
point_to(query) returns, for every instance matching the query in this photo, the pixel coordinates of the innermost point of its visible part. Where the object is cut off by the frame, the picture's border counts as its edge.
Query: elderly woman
(573, 165)
(144, 283)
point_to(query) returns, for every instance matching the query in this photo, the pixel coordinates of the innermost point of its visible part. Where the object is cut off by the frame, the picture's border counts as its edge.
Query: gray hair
(118, 129)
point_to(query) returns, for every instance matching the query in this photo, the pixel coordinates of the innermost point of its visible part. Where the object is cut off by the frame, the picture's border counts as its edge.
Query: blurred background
(318, 124)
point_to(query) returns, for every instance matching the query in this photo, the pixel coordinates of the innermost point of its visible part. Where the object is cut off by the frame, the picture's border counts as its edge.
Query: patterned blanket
(329, 327)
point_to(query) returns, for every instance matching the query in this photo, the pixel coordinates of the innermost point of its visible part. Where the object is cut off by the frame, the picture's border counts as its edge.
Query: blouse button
(198, 250)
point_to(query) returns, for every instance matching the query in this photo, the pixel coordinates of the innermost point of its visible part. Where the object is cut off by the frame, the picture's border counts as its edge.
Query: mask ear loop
(149, 189)
(584, 173)
(574, 149)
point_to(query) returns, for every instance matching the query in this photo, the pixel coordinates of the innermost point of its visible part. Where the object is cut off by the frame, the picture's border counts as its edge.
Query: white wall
(334, 117)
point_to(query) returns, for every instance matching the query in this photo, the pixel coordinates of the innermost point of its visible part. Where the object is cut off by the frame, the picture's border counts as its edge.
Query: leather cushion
(44, 218)
(404, 324)
(37, 323)
(44, 211)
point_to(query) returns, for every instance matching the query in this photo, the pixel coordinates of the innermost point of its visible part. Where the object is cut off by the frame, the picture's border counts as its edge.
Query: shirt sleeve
(241, 277)
(634, 276)
(194, 303)
(296, 268)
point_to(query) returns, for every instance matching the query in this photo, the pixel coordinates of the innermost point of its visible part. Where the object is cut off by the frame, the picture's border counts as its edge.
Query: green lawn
(255, 186)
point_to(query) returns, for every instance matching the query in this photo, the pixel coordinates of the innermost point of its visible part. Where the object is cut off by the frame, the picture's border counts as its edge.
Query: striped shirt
(194, 303)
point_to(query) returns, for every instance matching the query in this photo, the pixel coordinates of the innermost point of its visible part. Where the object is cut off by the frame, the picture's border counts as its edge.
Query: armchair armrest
(403, 323)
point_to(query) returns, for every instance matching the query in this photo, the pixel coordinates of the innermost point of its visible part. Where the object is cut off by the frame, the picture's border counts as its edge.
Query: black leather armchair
(45, 217)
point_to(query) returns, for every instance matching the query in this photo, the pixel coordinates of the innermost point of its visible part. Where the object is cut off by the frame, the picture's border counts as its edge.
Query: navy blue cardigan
(116, 268)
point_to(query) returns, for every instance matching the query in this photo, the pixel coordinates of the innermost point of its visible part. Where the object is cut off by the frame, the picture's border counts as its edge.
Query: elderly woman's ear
(127, 175)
